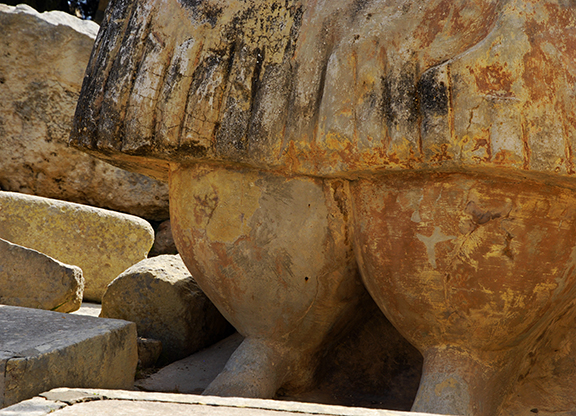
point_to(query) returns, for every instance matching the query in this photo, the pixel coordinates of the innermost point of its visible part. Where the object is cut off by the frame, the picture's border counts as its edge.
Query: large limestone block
(162, 297)
(40, 350)
(102, 243)
(32, 279)
(43, 61)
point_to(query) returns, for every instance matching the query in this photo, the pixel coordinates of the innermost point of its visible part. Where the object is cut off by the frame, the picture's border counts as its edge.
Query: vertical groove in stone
(309, 76)
(103, 56)
(205, 98)
(231, 137)
(172, 101)
(140, 113)
(120, 82)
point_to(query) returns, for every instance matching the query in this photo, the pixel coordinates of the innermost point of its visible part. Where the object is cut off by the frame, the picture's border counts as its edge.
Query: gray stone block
(41, 350)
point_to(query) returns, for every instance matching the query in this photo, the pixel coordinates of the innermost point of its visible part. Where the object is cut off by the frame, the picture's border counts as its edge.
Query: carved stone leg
(274, 255)
(470, 269)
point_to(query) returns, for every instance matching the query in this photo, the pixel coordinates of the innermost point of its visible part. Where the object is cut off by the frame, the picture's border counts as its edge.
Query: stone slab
(89, 402)
(102, 243)
(194, 373)
(89, 308)
(40, 350)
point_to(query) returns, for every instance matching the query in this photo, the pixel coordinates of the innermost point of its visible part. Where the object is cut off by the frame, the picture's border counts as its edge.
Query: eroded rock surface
(102, 243)
(44, 57)
(427, 143)
(31, 279)
(334, 89)
(164, 301)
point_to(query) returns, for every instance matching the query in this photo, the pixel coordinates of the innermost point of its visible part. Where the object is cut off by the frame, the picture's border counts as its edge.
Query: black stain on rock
(433, 94)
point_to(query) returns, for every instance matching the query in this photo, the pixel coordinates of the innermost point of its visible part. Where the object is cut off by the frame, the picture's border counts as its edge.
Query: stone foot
(256, 369)
(455, 382)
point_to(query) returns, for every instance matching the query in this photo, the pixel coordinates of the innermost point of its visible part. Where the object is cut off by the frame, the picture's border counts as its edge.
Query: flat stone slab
(90, 402)
(192, 374)
(89, 308)
(40, 350)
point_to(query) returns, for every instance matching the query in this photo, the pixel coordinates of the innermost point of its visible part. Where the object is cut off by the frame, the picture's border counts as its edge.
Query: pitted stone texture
(40, 350)
(334, 88)
(44, 57)
(102, 243)
(162, 297)
(32, 279)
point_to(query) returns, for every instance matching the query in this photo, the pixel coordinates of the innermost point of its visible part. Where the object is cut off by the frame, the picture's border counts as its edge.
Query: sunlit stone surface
(429, 143)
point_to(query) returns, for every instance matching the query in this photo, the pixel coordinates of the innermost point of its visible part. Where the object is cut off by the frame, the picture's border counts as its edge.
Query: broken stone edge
(59, 398)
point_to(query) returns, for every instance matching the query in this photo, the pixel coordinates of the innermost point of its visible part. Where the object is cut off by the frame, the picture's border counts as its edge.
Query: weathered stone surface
(326, 89)
(44, 57)
(430, 143)
(40, 350)
(476, 289)
(102, 243)
(161, 296)
(31, 279)
(276, 257)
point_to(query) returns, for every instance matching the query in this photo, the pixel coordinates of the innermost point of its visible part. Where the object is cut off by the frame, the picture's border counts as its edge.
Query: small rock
(31, 279)
(164, 301)
(148, 352)
(102, 243)
(163, 242)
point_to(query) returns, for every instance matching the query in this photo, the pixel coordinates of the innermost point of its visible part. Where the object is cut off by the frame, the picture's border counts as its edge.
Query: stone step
(41, 350)
(90, 402)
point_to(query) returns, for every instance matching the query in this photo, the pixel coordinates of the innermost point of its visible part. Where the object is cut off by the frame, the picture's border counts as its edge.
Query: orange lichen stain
(293, 162)
(559, 168)
(442, 153)
(335, 141)
(433, 23)
(494, 79)
(375, 158)
(553, 48)
(507, 158)
(404, 155)
(481, 143)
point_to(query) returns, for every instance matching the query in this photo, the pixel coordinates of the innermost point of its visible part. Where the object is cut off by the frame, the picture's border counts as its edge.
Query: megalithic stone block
(32, 279)
(102, 243)
(40, 350)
